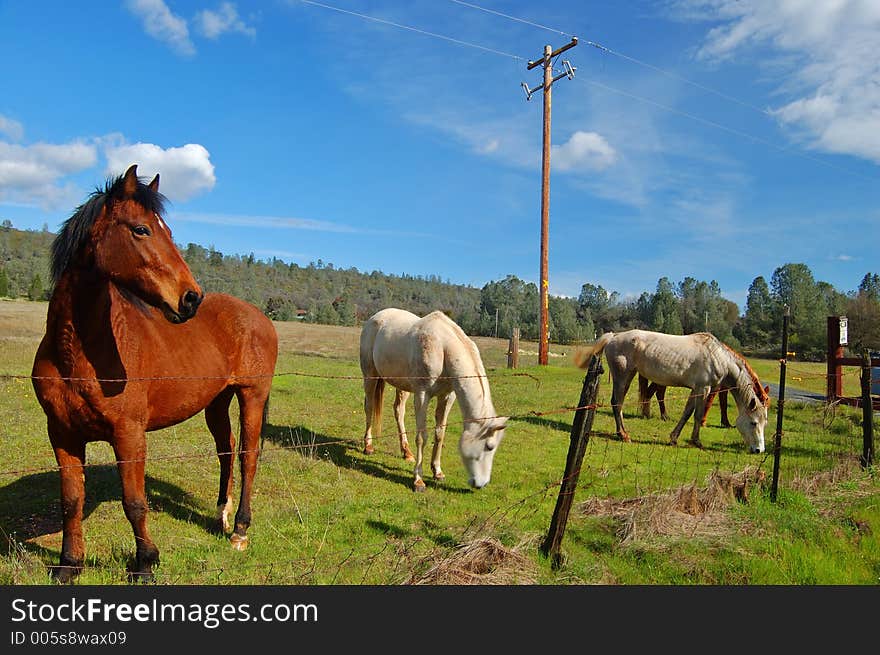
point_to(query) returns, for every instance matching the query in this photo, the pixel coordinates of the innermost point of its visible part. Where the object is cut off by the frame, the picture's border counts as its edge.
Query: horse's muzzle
(186, 308)
(189, 304)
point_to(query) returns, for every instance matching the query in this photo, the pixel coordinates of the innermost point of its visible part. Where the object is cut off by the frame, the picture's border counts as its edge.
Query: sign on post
(843, 335)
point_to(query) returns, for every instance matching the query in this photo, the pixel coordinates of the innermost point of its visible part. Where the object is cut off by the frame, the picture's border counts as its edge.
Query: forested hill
(323, 293)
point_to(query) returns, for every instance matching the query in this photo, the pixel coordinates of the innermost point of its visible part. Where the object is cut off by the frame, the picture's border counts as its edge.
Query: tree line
(322, 293)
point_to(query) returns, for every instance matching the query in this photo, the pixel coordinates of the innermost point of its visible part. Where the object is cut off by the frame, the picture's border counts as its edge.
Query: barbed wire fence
(822, 443)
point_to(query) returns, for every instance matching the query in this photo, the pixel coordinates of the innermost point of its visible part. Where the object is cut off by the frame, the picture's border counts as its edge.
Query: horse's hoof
(697, 444)
(238, 542)
(65, 574)
(141, 577)
(439, 475)
(408, 456)
(625, 438)
(419, 486)
(368, 450)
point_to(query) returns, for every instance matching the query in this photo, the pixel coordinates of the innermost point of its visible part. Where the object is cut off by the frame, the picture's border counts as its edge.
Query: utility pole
(568, 71)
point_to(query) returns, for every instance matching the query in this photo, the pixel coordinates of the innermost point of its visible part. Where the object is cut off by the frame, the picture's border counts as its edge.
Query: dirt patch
(484, 561)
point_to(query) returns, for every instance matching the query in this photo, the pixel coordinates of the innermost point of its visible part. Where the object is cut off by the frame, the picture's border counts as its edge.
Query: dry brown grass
(483, 561)
(22, 320)
(313, 339)
(688, 511)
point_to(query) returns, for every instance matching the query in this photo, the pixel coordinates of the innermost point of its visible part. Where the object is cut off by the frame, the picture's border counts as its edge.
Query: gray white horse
(427, 357)
(697, 361)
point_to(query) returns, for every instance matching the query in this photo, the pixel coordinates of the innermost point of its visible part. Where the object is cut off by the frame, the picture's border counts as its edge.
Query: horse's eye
(490, 445)
(141, 230)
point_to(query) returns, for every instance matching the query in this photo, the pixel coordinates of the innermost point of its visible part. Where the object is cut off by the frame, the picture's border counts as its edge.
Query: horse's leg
(70, 453)
(722, 403)
(441, 415)
(400, 399)
(420, 402)
(660, 390)
(688, 410)
(130, 447)
(619, 388)
(645, 392)
(709, 399)
(700, 409)
(217, 418)
(251, 404)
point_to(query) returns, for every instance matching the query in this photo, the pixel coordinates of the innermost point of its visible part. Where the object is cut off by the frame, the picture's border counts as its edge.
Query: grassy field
(324, 513)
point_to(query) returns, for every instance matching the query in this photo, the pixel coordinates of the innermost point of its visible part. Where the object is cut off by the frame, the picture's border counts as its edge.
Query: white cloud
(489, 147)
(830, 49)
(213, 24)
(583, 151)
(160, 23)
(11, 128)
(33, 174)
(184, 172)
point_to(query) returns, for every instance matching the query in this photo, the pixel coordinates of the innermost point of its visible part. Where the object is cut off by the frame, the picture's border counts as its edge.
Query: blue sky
(717, 139)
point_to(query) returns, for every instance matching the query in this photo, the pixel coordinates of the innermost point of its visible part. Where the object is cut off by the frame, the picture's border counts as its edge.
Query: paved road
(794, 395)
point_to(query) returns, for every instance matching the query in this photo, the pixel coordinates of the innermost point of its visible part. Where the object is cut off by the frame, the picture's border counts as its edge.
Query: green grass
(324, 513)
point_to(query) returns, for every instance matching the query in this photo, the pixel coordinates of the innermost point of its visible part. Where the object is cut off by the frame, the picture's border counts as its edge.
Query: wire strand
(509, 17)
(413, 29)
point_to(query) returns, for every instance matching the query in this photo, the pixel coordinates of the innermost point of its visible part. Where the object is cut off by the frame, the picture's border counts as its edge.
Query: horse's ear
(154, 185)
(130, 181)
(753, 404)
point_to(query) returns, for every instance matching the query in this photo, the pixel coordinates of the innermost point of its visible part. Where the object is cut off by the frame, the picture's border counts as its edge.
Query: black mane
(74, 232)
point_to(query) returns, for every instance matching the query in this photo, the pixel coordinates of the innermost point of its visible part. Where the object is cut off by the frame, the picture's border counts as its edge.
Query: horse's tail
(264, 422)
(582, 355)
(376, 407)
(265, 416)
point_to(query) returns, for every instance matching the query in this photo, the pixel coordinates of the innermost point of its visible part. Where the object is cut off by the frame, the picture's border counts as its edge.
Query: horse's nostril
(192, 299)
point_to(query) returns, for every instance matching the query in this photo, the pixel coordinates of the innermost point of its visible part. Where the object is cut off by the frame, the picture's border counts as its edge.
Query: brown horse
(133, 345)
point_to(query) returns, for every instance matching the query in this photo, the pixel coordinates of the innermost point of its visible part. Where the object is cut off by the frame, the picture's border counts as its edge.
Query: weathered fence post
(780, 405)
(867, 458)
(837, 338)
(581, 426)
(513, 349)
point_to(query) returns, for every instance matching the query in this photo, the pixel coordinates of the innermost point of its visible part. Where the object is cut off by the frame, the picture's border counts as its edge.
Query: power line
(681, 78)
(729, 130)
(508, 16)
(725, 96)
(693, 117)
(629, 58)
(413, 29)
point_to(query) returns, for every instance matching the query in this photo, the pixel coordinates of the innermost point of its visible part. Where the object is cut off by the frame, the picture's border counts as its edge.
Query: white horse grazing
(698, 361)
(427, 357)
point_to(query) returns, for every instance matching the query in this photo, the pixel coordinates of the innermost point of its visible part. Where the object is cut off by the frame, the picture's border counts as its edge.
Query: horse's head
(477, 446)
(752, 419)
(132, 246)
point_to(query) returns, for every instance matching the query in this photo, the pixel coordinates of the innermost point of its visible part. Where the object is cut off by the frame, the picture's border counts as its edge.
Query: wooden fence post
(780, 406)
(581, 426)
(867, 458)
(834, 382)
(513, 349)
